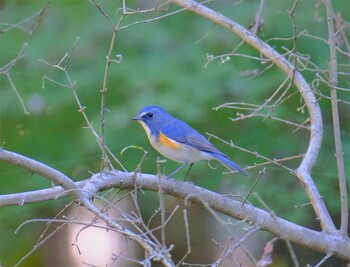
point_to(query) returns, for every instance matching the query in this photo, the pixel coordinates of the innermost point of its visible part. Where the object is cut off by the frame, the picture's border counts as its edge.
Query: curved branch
(41, 169)
(318, 241)
(69, 187)
(316, 130)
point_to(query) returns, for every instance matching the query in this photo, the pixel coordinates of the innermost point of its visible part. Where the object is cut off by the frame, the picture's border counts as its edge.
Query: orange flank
(168, 142)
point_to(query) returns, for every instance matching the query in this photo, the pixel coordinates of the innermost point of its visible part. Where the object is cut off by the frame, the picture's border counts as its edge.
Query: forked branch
(316, 129)
(319, 241)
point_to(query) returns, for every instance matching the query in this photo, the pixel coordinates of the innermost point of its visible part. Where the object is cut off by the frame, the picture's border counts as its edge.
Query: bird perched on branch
(178, 141)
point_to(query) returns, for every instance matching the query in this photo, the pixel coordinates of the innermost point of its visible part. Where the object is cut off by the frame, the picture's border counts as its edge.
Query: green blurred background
(163, 64)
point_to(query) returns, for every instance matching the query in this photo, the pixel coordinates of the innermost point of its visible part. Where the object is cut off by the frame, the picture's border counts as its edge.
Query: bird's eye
(150, 115)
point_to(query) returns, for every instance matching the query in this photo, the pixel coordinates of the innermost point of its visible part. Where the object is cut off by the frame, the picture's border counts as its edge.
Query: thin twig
(333, 80)
(325, 258)
(6, 70)
(261, 173)
(105, 164)
(229, 251)
(276, 162)
(33, 21)
(316, 130)
(292, 252)
(62, 66)
(188, 240)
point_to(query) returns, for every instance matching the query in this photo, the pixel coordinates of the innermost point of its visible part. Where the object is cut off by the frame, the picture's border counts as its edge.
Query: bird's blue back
(178, 130)
(162, 123)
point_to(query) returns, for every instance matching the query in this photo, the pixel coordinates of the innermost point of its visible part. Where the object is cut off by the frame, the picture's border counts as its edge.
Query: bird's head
(152, 118)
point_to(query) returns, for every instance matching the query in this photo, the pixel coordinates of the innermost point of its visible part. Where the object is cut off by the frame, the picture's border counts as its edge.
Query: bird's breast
(177, 151)
(166, 141)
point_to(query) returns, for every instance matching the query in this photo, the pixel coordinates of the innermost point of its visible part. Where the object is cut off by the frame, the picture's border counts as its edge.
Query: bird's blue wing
(183, 133)
(229, 163)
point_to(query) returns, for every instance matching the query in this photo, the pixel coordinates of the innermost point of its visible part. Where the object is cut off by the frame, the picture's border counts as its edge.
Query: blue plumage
(228, 163)
(177, 140)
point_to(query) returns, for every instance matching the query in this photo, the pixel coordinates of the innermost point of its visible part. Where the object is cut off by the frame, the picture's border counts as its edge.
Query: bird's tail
(228, 163)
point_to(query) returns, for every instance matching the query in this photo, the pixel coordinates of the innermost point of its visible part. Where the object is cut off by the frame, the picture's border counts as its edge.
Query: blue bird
(178, 141)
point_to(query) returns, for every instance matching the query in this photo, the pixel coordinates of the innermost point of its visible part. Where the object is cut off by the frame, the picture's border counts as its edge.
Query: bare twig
(325, 258)
(277, 162)
(259, 20)
(83, 197)
(333, 80)
(43, 237)
(316, 130)
(188, 240)
(162, 210)
(105, 164)
(28, 25)
(318, 241)
(6, 70)
(236, 245)
(261, 173)
(62, 66)
(292, 252)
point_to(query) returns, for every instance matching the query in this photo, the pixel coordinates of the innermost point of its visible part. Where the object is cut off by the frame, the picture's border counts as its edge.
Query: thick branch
(318, 241)
(80, 195)
(303, 172)
(36, 196)
(39, 168)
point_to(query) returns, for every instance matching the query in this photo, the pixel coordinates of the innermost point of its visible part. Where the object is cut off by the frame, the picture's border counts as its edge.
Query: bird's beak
(137, 118)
